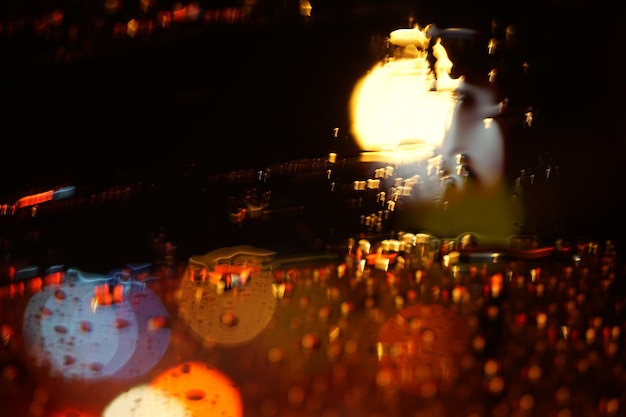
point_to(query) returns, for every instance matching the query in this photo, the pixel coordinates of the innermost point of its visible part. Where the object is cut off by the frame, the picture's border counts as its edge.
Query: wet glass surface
(213, 135)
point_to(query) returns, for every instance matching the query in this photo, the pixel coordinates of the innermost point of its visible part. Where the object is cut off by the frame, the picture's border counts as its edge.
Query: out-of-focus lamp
(402, 109)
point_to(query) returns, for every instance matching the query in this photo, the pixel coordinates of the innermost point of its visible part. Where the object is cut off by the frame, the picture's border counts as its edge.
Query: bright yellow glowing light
(406, 37)
(400, 107)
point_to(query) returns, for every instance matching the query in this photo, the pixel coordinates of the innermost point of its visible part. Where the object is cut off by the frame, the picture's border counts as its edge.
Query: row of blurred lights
(184, 14)
(178, 14)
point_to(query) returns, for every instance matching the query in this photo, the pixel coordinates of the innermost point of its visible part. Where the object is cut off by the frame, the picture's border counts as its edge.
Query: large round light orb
(398, 107)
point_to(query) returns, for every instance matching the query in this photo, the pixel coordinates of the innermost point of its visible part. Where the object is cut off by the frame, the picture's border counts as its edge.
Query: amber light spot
(201, 390)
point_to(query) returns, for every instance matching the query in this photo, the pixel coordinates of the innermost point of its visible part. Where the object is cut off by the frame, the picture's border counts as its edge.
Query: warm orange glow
(232, 317)
(193, 389)
(72, 411)
(305, 8)
(373, 257)
(178, 15)
(203, 391)
(111, 6)
(422, 349)
(131, 28)
(34, 199)
(164, 19)
(145, 5)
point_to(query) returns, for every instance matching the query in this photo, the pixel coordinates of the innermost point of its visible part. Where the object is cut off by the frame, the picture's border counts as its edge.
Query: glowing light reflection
(401, 106)
(192, 389)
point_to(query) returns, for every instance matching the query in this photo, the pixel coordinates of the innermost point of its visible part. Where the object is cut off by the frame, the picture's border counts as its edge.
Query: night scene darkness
(275, 208)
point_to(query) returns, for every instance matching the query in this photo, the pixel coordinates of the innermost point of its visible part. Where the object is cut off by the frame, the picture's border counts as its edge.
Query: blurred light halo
(397, 107)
